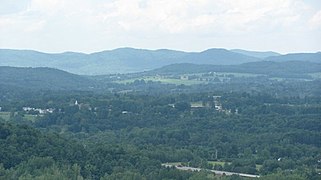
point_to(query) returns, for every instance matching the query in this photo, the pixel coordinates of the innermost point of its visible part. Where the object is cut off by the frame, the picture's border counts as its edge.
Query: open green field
(220, 75)
(213, 163)
(5, 115)
(197, 104)
(315, 75)
(169, 80)
(163, 80)
(28, 117)
(238, 74)
(210, 162)
(180, 81)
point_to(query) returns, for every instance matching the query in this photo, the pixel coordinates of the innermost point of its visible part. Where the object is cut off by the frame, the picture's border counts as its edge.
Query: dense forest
(59, 125)
(72, 134)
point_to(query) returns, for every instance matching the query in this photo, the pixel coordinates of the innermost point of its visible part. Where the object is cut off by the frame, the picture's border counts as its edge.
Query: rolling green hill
(42, 78)
(276, 69)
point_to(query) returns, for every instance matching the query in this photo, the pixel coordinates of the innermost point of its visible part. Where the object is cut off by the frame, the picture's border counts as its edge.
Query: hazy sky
(191, 25)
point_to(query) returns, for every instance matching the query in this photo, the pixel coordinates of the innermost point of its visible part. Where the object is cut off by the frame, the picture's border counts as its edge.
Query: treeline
(27, 153)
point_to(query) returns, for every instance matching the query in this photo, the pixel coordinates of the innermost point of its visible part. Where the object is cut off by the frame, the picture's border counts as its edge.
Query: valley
(256, 119)
(160, 90)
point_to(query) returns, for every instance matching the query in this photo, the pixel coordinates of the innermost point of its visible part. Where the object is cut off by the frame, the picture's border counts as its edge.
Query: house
(124, 112)
(39, 110)
(27, 108)
(218, 107)
(184, 77)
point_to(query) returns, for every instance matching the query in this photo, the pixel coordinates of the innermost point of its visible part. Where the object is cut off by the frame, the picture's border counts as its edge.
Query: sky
(285, 26)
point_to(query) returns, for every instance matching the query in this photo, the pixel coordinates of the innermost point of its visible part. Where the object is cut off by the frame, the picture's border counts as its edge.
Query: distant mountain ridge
(309, 57)
(257, 54)
(127, 60)
(218, 57)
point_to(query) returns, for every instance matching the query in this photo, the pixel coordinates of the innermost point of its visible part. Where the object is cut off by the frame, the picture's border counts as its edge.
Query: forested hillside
(277, 69)
(57, 125)
(116, 136)
(42, 78)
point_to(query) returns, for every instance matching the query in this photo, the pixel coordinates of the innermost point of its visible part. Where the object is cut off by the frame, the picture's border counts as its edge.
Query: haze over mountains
(127, 60)
(256, 54)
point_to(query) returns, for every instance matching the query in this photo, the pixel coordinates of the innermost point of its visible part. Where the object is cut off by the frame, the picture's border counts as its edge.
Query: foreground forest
(132, 134)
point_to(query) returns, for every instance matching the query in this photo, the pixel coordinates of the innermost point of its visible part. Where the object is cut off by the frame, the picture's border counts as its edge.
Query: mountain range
(43, 78)
(128, 60)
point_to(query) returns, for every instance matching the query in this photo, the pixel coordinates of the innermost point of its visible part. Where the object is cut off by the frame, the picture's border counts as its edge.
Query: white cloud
(148, 22)
(315, 21)
(169, 16)
(12, 6)
(35, 26)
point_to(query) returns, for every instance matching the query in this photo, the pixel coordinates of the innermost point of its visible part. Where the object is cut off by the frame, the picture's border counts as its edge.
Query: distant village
(38, 110)
(194, 105)
(217, 106)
